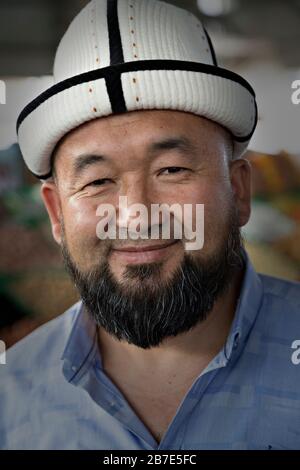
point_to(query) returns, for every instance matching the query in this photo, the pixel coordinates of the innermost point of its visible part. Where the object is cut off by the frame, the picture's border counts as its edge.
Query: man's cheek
(215, 229)
(81, 237)
(81, 213)
(82, 223)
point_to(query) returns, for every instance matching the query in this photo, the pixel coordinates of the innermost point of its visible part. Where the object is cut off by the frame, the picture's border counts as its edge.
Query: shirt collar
(248, 306)
(82, 345)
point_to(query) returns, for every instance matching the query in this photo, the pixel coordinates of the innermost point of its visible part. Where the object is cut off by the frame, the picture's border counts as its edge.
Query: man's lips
(140, 248)
(143, 253)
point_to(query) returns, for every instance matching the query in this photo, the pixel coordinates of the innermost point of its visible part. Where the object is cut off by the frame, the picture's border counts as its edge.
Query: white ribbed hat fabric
(127, 55)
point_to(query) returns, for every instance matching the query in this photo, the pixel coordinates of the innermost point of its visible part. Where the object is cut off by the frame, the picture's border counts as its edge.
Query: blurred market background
(259, 39)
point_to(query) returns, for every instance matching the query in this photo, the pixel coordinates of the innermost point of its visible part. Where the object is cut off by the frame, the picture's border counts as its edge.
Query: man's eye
(173, 170)
(100, 182)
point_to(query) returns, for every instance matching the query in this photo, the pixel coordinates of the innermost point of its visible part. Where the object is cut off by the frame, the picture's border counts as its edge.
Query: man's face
(151, 157)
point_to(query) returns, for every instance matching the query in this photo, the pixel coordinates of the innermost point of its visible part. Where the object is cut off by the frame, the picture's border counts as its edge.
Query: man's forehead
(156, 121)
(143, 133)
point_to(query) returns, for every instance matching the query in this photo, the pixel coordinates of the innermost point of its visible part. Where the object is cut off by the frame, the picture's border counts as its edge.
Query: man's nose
(134, 201)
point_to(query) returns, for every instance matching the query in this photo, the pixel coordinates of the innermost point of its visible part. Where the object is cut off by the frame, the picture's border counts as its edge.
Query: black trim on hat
(115, 93)
(114, 83)
(42, 177)
(212, 51)
(114, 34)
(136, 66)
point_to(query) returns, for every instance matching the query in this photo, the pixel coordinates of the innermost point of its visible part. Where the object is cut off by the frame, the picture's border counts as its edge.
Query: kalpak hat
(127, 55)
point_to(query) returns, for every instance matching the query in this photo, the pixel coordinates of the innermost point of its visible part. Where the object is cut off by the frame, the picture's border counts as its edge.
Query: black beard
(153, 309)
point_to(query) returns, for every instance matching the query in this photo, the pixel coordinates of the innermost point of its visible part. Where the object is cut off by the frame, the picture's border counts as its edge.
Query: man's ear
(50, 196)
(240, 175)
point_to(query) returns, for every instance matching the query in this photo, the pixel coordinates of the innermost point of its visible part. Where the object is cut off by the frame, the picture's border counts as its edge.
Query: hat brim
(205, 90)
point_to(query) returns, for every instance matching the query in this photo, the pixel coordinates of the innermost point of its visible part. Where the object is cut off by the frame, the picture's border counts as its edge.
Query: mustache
(126, 237)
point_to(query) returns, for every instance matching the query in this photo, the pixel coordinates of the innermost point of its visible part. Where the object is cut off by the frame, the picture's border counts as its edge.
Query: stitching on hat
(93, 32)
(131, 19)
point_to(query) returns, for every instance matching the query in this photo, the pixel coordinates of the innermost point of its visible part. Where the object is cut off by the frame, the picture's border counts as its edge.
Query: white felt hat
(127, 55)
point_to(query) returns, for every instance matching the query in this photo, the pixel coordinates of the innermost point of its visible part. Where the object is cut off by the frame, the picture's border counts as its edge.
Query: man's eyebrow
(182, 144)
(85, 160)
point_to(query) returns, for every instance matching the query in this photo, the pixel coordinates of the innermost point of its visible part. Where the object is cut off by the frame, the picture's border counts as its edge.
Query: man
(169, 348)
